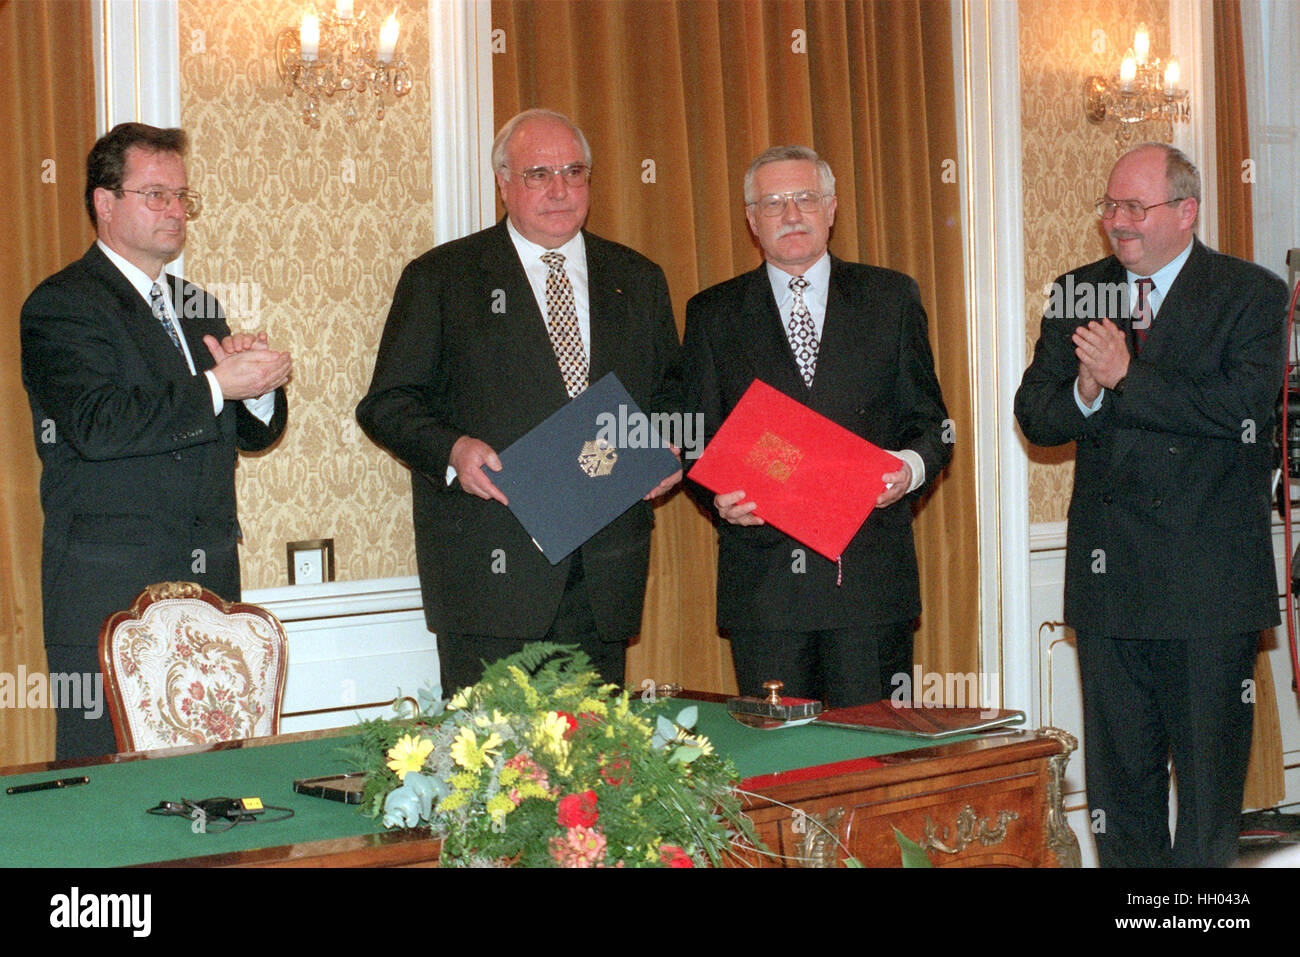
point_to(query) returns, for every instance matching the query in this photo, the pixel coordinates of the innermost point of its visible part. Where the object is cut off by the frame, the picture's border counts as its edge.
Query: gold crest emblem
(774, 457)
(597, 458)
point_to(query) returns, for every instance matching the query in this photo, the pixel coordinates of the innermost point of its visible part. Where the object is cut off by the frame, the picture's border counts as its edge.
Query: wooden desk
(991, 801)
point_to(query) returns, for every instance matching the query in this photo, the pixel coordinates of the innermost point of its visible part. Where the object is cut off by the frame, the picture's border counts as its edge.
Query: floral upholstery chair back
(184, 667)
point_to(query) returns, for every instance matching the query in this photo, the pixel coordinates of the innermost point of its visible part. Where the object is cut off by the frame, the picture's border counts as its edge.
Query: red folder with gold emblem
(812, 479)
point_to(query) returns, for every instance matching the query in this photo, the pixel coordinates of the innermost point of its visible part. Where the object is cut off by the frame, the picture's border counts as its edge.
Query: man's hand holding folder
(807, 476)
(735, 508)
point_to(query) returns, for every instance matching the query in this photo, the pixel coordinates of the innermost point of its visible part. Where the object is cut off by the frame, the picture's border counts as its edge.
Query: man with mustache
(487, 336)
(849, 341)
(1169, 559)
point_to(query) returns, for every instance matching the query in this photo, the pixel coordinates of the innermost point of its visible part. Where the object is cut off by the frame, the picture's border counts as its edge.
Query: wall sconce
(1144, 91)
(336, 53)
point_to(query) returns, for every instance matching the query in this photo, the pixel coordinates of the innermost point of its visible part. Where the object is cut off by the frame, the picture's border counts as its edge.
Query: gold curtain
(1231, 133)
(1265, 784)
(676, 98)
(47, 109)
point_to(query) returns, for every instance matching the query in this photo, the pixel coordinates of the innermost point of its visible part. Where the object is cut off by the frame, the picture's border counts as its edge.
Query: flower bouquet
(539, 765)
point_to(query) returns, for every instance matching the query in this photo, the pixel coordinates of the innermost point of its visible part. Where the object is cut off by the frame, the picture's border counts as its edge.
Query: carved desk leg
(1060, 838)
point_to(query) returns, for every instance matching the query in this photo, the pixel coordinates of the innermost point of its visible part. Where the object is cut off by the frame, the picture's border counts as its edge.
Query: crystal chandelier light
(1144, 91)
(335, 52)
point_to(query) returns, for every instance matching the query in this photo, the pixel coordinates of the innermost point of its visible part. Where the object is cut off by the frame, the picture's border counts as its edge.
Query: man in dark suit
(140, 397)
(1169, 561)
(487, 336)
(849, 341)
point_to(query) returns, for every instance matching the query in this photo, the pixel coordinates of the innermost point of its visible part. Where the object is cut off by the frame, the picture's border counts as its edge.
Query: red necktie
(1142, 313)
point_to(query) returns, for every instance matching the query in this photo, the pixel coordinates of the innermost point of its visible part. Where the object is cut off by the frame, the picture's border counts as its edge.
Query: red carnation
(577, 810)
(674, 856)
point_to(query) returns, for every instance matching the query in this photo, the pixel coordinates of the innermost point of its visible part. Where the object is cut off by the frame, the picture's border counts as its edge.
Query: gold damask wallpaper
(1065, 161)
(303, 234)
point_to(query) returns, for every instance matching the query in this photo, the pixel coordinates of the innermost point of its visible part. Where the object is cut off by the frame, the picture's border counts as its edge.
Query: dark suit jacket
(465, 351)
(1169, 531)
(875, 377)
(137, 473)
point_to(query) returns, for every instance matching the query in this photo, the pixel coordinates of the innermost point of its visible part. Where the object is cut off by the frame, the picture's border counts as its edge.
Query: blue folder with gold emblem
(583, 467)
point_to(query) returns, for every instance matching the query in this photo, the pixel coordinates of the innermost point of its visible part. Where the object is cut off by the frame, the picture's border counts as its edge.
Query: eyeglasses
(159, 199)
(773, 204)
(1135, 211)
(539, 177)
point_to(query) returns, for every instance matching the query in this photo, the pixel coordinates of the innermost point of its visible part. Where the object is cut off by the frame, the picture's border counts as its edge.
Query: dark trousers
(842, 667)
(462, 657)
(1143, 702)
(77, 733)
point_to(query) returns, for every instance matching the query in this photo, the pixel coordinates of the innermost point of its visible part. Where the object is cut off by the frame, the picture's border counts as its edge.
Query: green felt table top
(103, 823)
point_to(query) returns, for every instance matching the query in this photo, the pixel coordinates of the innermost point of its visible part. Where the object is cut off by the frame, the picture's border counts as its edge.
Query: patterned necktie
(803, 334)
(1142, 312)
(562, 324)
(159, 307)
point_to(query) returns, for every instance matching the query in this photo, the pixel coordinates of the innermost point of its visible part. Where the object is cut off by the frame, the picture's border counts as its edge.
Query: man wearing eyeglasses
(140, 397)
(849, 341)
(1169, 395)
(487, 336)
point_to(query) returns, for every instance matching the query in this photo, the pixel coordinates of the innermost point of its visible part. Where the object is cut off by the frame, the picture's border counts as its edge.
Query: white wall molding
(1191, 38)
(137, 62)
(986, 48)
(339, 599)
(461, 119)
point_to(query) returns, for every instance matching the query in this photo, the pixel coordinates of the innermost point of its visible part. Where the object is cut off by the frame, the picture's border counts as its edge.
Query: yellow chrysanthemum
(408, 754)
(458, 700)
(469, 754)
(551, 729)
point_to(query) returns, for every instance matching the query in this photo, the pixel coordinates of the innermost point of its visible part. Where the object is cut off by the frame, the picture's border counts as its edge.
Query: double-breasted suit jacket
(1169, 526)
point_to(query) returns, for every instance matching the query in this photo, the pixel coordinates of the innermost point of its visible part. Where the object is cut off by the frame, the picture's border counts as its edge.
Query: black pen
(47, 785)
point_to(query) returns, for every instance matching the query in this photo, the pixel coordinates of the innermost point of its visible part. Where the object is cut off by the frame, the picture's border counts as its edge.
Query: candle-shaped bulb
(388, 38)
(1172, 74)
(1128, 70)
(309, 36)
(1142, 43)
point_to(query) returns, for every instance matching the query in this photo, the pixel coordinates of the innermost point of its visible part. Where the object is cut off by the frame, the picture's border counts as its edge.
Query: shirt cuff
(916, 463)
(218, 400)
(263, 407)
(1087, 410)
